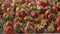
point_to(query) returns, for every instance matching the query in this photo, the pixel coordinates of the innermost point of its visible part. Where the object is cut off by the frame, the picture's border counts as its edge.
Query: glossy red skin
(16, 20)
(37, 21)
(47, 7)
(6, 4)
(22, 1)
(50, 16)
(41, 3)
(31, 24)
(34, 14)
(30, 4)
(9, 23)
(1, 12)
(9, 30)
(57, 21)
(42, 10)
(48, 13)
(18, 14)
(26, 30)
(24, 13)
(58, 29)
(54, 9)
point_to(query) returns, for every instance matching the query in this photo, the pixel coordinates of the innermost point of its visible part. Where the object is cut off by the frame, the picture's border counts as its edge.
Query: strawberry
(37, 20)
(57, 21)
(9, 30)
(16, 20)
(34, 14)
(22, 1)
(24, 13)
(9, 23)
(58, 29)
(54, 9)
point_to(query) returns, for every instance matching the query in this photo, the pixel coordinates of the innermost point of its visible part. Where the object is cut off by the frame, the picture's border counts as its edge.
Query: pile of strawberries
(29, 16)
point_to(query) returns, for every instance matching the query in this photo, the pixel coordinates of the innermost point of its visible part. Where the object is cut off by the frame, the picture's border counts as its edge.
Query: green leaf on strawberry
(31, 30)
(51, 27)
(29, 18)
(42, 24)
(8, 17)
(41, 16)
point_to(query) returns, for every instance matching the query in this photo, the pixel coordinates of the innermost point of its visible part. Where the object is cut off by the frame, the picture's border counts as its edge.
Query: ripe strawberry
(54, 9)
(58, 29)
(24, 13)
(16, 20)
(57, 21)
(42, 10)
(9, 30)
(37, 20)
(34, 14)
(6, 4)
(41, 3)
(9, 23)
(22, 1)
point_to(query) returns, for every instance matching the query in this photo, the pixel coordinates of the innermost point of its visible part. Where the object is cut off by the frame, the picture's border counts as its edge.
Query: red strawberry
(26, 30)
(31, 24)
(42, 10)
(30, 4)
(37, 21)
(50, 16)
(54, 9)
(16, 20)
(58, 29)
(57, 21)
(6, 4)
(34, 14)
(9, 23)
(24, 13)
(22, 1)
(9, 30)
(41, 3)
